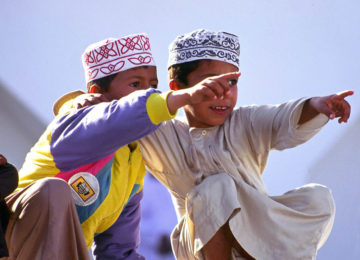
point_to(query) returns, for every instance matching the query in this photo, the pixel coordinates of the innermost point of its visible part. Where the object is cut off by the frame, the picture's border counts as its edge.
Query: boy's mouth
(219, 109)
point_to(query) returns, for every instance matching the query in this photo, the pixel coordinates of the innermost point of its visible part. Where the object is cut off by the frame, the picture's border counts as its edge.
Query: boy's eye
(134, 84)
(153, 85)
(232, 82)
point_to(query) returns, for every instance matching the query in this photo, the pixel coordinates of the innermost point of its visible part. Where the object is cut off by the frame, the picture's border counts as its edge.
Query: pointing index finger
(230, 75)
(344, 94)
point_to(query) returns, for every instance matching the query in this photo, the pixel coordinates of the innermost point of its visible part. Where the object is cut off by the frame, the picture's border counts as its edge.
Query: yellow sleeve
(157, 108)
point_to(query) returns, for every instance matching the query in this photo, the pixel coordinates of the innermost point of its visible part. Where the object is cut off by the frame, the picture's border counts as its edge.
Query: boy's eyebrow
(141, 77)
(208, 75)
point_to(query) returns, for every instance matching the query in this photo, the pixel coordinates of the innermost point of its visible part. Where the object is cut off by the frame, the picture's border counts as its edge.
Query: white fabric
(186, 160)
(111, 56)
(204, 44)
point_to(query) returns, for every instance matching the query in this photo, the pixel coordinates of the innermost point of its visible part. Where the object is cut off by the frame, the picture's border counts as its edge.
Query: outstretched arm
(209, 88)
(332, 106)
(89, 134)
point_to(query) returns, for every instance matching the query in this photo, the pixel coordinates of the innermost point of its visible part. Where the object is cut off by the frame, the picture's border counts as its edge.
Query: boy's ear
(174, 84)
(95, 89)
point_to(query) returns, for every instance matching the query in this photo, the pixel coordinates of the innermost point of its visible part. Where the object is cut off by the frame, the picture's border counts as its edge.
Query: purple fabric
(91, 133)
(122, 239)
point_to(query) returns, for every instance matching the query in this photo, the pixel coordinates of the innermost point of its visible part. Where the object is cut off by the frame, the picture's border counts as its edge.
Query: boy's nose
(228, 93)
(145, 86)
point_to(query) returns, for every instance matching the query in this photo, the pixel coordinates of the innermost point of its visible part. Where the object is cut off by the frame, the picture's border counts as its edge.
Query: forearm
(279, 124)
(177, 99)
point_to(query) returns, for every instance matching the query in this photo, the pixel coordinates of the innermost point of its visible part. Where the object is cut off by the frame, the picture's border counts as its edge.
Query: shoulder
(178, 124)
(66, 102)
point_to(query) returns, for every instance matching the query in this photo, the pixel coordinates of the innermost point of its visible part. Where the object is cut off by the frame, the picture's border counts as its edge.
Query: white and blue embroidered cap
(204, 44)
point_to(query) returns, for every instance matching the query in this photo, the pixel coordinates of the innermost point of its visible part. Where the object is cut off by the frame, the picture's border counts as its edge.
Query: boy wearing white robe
(212, 163)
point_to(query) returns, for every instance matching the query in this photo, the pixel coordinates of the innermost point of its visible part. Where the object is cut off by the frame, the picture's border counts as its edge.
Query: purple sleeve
(122, 239)
(89, 134)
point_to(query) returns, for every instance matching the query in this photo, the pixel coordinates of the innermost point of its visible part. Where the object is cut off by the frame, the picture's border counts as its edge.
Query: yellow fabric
(62, 103)
(128, 169)
(157, 108)
(39, 162)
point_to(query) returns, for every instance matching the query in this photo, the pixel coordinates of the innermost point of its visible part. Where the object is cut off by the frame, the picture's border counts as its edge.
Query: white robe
(215, 175)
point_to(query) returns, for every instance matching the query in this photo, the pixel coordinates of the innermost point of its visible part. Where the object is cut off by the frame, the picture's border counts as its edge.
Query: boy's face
(126, 82)
(214, 112)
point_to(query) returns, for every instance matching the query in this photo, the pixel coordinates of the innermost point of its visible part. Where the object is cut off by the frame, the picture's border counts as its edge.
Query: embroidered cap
(204, 44)
(111, 56)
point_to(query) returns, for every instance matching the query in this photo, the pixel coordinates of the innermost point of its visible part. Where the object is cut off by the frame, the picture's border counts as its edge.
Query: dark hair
(181, 71)
(103, 83)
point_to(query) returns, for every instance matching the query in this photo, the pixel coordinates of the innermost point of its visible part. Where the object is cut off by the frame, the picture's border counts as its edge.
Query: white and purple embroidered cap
(204, 44)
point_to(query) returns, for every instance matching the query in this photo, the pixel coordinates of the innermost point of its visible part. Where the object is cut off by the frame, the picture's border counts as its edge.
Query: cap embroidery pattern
(204, 44)
(111, 56)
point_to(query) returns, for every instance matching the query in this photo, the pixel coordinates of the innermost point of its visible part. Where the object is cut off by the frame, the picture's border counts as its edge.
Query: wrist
(177, 99)
(312, 104)
(309, 110)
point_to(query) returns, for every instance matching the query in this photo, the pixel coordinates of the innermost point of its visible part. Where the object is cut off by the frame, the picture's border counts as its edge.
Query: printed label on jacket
(85, 188)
